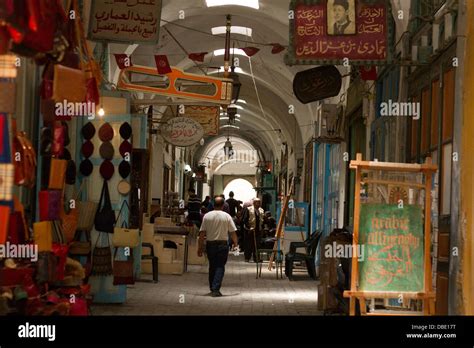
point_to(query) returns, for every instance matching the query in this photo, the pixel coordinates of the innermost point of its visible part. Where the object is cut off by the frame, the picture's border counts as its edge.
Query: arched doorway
(243, 190)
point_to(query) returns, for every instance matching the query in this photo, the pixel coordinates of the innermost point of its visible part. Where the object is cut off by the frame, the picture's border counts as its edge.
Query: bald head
(218, 203)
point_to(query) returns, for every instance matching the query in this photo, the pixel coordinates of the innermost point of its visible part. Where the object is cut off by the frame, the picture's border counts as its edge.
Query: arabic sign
(207, 116)
(125, 20)
(392, 238)
(317, 37)
(317, 83)
(182, 131)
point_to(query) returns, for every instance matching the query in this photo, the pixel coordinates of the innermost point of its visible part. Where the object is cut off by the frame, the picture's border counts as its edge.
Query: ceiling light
(237, 51)
(230, 126)
(247, 3)
(226, 119)
(233, 30)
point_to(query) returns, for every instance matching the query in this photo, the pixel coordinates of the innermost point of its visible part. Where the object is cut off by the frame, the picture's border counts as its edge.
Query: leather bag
(25, 167)
(123, 270)
(124, 236)
(105, 217)
(79, 247)
(8, 97)
(64, 89)
(43, 235)
(57, 174)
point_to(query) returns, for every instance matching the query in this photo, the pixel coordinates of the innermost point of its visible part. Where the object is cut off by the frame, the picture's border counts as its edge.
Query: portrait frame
(345, 30)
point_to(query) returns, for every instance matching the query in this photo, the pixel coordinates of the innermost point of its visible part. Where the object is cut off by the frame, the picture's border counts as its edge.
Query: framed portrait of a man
(341, 17)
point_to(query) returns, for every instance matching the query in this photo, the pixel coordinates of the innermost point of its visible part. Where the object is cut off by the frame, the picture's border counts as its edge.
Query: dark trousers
(250, 241)
(217, 254)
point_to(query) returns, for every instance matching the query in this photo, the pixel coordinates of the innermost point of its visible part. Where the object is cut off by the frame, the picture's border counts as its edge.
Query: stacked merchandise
(44, 283)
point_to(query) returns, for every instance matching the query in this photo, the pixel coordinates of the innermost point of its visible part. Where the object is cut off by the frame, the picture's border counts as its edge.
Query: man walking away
(194, 208)
(216, 227)
(233, 204)
(253, 222)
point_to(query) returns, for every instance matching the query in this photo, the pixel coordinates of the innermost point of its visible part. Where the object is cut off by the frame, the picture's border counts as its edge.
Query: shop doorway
(243, 190)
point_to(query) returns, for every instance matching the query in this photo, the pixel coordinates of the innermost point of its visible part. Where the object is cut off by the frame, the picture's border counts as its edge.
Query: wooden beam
(390, 166)
(390, 182)
(390, 294)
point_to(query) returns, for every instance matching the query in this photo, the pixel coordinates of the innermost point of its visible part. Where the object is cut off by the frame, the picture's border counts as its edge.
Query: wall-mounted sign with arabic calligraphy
(330, 31)
(182, 131)
(391, 238)
(207, 116)
(125, 21)
(317, 83)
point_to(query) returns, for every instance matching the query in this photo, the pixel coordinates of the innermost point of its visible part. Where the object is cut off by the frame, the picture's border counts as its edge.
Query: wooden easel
(427, 295)
(280, 231)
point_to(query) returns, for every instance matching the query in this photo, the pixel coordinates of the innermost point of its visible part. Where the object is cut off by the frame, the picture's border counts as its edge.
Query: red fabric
(120, 59)
(162, 64)
(59, 136)
(4, 218)
(92, 91)
(368, 73)
(16, 228)
(2, 131)
(277, 48)
(61, 252)
(250, 51)
(15, 276)
(199, 57)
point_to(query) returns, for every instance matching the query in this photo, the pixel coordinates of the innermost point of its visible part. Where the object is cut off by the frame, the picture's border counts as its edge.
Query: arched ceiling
(271, 77)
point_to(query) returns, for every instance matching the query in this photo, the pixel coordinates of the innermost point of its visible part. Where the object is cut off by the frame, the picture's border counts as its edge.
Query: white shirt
(217, 225)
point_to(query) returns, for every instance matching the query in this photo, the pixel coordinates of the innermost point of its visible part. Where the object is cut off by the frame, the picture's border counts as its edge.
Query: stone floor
(243, 294)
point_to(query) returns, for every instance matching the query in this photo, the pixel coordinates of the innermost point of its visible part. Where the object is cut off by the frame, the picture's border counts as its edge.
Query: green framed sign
(392, 248)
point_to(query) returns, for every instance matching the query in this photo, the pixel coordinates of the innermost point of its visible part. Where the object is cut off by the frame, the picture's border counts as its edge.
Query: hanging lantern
(228, 149)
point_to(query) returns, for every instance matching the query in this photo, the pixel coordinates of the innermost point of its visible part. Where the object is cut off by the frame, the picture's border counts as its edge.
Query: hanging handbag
(69, 215)
(25, 165)
(50, 15)
(49, 205)
(17, 230)
(123, 236)
(102, 258)
(64, 90)
(58, 234)
(47, 267)
(86, 215)
(105, 217)
(78, 247)
(7, 174)
(59, 136)
(123, 270)
(43, 235)
(57, 174)
(4, 220)
(8, 96)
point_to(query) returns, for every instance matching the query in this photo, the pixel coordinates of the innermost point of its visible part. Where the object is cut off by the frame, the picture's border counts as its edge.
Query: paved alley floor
(243, 294)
